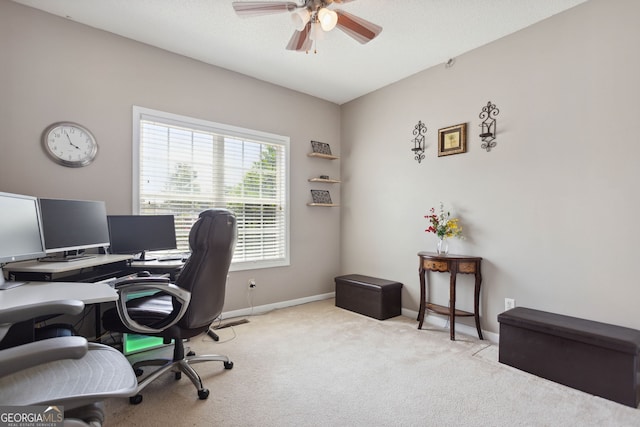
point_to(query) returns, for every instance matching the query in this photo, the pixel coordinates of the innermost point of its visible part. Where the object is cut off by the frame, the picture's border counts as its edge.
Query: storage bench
(594, 357)
(371, 296)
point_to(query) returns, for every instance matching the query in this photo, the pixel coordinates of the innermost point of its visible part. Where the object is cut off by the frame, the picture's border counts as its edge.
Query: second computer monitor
(71, 226)
(137, 234)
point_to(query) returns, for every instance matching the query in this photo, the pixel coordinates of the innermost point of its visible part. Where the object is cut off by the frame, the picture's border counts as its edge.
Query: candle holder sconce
(418, 142)
(489, 126)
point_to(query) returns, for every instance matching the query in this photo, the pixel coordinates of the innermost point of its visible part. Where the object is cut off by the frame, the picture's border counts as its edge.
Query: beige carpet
(318, 365)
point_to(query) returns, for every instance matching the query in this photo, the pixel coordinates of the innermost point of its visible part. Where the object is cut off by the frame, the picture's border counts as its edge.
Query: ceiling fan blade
(300, 41)
(253, 8)
(360, 29)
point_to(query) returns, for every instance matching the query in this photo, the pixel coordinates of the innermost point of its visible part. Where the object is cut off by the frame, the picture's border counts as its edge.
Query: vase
(443, 246)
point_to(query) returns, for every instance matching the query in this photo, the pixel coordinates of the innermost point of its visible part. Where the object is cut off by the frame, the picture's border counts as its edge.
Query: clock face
(70, 144)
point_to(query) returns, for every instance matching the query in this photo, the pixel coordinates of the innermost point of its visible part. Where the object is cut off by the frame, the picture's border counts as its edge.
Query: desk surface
(61, 267)
(157, 264)
(38, 292)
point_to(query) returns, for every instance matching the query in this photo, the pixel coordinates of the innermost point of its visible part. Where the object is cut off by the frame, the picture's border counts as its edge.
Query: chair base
(85, 416)
(178, 366)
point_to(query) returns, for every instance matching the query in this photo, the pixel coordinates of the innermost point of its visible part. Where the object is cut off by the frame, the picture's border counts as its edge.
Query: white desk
(38, 292)
(157, 264)
(171, 267)
(65, 266)
(42, 292)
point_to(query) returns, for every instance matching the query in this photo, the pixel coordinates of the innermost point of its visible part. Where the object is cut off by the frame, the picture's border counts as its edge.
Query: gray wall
(52, 69)
(553, 209)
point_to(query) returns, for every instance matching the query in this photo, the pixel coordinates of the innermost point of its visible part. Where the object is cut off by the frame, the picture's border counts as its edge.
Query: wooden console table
(454, 264)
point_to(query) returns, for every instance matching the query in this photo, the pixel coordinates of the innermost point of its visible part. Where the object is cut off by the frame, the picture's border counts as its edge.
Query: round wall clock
(69, 144)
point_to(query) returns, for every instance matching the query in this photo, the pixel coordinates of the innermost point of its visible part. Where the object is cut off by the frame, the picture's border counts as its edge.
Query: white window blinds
(184, 166)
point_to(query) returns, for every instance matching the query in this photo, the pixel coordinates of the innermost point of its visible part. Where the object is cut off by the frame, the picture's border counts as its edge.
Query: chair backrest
(212, 240)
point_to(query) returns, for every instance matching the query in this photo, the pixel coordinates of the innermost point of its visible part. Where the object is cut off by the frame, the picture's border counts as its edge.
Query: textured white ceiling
(417, 34)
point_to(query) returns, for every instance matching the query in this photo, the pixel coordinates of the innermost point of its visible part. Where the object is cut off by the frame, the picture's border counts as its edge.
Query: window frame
(139, 113)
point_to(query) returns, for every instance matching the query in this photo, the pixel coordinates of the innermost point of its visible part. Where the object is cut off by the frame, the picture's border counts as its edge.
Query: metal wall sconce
(418, 142)
(489, 126)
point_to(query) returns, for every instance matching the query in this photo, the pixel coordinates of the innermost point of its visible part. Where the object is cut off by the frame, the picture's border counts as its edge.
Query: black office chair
(184, 309)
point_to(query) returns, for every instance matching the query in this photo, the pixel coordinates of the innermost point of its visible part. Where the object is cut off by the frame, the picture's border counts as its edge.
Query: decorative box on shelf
(321, 198)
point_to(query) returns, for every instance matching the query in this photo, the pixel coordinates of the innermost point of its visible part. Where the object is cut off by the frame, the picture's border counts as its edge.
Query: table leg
(423, 292)
(98, 320)
(476, 300)
(452, 301)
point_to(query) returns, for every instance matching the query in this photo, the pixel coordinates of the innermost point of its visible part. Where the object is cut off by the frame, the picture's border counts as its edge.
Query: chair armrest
(181, 295)
(39, 352)
(9, 316)
(153, 279)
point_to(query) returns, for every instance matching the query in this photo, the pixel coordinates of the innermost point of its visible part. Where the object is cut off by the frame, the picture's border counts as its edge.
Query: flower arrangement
(442, 224)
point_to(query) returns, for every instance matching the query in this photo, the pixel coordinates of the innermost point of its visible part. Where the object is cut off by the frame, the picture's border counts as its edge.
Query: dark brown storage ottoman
(373, 297)
(594, 357)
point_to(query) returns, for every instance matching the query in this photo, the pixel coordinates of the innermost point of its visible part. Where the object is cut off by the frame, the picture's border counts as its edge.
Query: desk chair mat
(102, 372)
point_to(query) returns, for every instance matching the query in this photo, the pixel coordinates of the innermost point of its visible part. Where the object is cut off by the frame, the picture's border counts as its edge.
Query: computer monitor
(137, 234)
(72, 226)
(20, 232)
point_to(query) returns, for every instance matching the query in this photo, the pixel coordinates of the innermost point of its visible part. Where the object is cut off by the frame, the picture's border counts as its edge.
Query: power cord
(250, 292)
(78, 325)
(219, 341)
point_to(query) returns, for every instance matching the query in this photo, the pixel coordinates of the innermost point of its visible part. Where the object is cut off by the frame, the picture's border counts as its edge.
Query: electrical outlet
(252, 283)
(509, 303)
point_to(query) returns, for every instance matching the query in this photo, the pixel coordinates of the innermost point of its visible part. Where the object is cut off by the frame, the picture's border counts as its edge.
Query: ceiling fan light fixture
(316, 32)
(327, 18)
(300, 19)
(312, 18)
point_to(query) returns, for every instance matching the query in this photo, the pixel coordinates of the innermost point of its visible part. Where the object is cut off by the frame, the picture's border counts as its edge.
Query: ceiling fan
(310, 19)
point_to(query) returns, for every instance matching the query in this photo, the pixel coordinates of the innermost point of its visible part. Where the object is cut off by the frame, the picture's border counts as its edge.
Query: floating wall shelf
(323, 180)
(328, 181)
(323, 156)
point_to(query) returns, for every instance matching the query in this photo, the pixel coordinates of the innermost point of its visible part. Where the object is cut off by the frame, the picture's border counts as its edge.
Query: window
(183, 166)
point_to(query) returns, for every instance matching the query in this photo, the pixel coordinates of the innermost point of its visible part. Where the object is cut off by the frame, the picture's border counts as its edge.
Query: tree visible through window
(185, 166)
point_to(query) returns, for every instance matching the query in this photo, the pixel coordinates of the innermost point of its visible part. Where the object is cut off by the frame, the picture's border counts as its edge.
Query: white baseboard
(261, 309)
(437, 321)
(442, 322)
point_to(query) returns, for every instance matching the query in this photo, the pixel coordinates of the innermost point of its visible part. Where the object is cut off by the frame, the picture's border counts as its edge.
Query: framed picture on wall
(452, 140)
(320, 147)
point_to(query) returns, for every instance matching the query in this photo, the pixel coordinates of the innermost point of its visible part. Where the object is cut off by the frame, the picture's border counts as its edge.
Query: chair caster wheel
(191, 353)
(135, 400)
(228, 365)
(203, 394)
(177, 375)
(138, 372)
